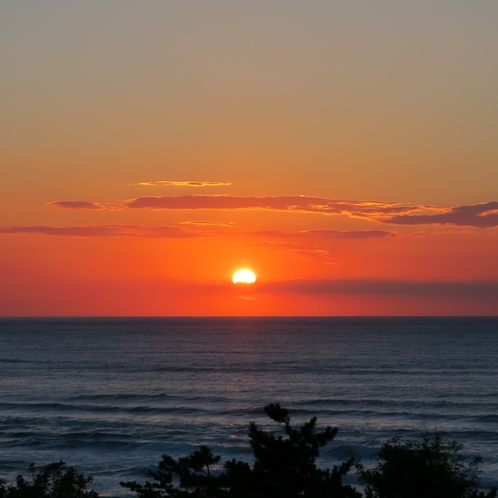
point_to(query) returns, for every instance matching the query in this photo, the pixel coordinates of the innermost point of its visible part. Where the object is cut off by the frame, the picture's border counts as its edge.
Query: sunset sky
(346, 152)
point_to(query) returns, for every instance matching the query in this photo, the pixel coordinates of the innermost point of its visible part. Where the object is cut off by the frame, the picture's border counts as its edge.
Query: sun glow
(244, 276)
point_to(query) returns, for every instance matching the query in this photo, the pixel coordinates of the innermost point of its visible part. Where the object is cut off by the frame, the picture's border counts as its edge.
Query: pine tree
(284, 467)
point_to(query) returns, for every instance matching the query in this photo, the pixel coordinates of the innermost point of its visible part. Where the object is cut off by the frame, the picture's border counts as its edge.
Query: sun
(244, 276)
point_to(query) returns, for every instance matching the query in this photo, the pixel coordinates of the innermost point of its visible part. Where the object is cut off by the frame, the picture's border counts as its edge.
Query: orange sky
(346, 153)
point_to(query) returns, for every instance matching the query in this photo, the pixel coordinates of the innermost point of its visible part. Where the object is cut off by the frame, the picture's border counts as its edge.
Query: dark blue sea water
(110, 396)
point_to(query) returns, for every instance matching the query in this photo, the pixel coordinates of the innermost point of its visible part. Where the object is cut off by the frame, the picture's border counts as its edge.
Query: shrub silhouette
(55, 480)
(284, 467)
(428, 469)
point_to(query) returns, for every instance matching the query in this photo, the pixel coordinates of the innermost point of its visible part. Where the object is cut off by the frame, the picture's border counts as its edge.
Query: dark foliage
(55, 480)
(429, 469)
(193, 475)
(284, 467)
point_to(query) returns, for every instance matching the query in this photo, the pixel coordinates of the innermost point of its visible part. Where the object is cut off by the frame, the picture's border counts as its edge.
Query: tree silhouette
(284, 467)
(194, 478)
(428, 469)
(55, 480)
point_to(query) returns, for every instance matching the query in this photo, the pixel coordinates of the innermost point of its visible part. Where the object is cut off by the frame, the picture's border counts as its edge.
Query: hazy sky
(347, 152)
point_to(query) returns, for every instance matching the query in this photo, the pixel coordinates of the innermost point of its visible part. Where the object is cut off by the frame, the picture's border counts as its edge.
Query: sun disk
(244, 276)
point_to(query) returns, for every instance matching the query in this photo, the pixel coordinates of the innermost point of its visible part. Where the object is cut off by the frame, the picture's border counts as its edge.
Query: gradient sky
(346, 152)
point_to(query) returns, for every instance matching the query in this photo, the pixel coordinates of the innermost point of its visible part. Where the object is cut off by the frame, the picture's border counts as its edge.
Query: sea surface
(110, 396)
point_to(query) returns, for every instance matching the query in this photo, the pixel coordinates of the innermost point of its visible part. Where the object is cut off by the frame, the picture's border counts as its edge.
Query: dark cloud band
(483, 215)
(80, 205)
(382, 287)
(105, 231)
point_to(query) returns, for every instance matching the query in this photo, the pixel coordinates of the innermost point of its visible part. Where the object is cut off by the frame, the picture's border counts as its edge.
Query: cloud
(350, 234)
(483, 288)
(326, 234)
(169, 183)
(294, 249)
(80, 205)
(296, 203)
(484, 215)
(161, 232)
(277, 245)
(203, 223)
(176, 232)
(311, 253)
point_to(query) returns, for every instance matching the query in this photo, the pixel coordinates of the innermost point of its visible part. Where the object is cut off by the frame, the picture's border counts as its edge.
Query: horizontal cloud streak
(294, 249)
(175, 232)
(350, 234)
(483, 215)
(389, 287)
(324, 234)
(206, 223)
(170, 183)
(279, 245)
(79, 205)
(296, 203)
(311, 253)
(165, 232)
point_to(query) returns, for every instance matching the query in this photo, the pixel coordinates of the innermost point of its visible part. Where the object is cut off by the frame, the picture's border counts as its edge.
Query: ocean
(111, 395)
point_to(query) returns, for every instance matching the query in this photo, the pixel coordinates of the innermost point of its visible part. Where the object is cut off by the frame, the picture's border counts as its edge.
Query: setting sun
(244, 277)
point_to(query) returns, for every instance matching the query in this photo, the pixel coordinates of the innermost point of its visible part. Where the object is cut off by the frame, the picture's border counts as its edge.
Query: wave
(114, 395)
(214, 409)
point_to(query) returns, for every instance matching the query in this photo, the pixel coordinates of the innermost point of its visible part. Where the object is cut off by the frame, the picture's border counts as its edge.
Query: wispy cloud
(350, 234)
(170, 183)
(484, 215)
(301, 251)
(311, 253)
(321, 234)
(183, 231)
(291, 246)
(272, 240)
(488, 288)
(165, 232)
(206, 223)
(81, 205)
(296, 203)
